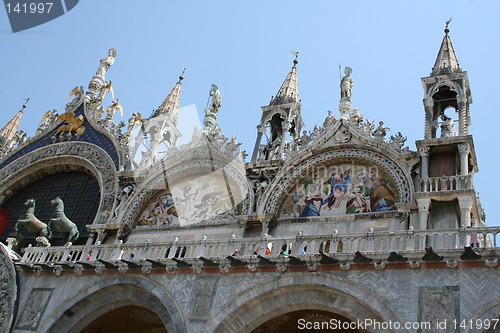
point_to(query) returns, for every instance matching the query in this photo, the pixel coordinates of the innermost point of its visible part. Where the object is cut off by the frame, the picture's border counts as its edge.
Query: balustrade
(371, 242)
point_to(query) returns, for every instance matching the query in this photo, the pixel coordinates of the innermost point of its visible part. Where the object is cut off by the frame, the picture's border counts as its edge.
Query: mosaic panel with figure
(339, 189)
(194, 199)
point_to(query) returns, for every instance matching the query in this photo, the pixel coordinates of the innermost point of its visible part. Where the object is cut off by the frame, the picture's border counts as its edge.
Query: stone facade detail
(32, 313)
(8, 290)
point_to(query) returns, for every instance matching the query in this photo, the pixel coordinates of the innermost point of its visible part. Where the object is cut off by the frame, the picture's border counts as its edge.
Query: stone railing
(446, 183)
(374, 243)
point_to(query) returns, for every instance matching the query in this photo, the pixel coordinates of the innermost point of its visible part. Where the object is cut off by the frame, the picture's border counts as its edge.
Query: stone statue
(380, 131)
(304, 140)
(329, 120)
(123, 197)
(63, 224)
(346, 85)
(356, 118)
(106, 63)
(215, 104)
(232, 146)
(31, 223)
(447, 127)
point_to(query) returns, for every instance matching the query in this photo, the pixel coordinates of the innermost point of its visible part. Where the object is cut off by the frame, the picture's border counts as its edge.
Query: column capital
(464, 148)
(428, 102)
(462, 99)
(423, 204)
(465, 202)
(424, 151)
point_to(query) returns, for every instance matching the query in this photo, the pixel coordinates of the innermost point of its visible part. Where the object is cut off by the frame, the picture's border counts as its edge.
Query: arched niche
(64, 158)
(189, 193)
(319, 168)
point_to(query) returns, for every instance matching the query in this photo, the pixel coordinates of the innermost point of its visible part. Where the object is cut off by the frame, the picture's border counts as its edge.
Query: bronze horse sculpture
(63, 224)
(31, 223)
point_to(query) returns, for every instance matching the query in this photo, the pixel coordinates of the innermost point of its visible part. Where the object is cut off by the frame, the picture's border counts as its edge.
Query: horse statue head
(30, 203)
(56, 201)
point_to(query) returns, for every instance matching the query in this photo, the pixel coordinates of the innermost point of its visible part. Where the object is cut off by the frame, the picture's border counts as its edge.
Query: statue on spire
(106, 63)
(346, 85)
(215, 102)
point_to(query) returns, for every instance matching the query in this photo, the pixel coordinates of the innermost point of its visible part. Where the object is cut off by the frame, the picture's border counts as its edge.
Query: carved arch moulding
(64, 156)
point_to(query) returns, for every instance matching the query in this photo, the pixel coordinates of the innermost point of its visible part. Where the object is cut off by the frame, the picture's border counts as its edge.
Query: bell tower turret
(447, 95)
(281, 120)
(445, 195)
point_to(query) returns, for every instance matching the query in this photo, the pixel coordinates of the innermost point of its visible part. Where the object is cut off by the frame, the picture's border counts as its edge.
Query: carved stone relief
(439, 306)
(8, 290)
(204, 291)
(32, 313)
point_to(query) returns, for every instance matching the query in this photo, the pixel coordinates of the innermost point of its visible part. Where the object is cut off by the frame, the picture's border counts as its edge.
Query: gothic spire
(10, 129)
(289, 91)
(446, 61)
(171, 104)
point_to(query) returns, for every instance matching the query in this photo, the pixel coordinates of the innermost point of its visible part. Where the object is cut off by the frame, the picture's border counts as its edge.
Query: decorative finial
(295, 61)
(446, 30)
(181, 77)
(25, 104)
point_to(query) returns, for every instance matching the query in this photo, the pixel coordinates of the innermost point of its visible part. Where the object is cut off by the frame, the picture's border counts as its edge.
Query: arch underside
(89, 305)
(300, 292)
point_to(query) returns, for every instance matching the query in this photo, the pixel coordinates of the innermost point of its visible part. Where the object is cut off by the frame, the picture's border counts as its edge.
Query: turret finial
(25, 104)
(295, 61)
(446, 30)
(181, 77)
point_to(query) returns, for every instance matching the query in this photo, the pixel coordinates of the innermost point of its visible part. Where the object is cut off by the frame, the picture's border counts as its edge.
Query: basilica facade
(115, 227)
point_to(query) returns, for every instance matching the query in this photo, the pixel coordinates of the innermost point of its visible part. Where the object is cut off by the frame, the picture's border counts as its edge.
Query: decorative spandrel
(339, 189)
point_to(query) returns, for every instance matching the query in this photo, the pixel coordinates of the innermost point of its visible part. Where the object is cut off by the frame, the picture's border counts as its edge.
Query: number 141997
(477, 324)
(31, 8)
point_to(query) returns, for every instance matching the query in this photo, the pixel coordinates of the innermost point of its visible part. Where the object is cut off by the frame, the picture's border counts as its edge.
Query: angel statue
(78, 93)
(135, 119)
(115, 105)
(47, 120)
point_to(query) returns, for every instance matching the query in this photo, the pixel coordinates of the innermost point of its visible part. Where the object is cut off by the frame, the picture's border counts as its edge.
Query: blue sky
(244, 48)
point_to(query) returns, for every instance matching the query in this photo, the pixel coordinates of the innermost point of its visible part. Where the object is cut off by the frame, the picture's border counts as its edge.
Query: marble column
(428, 106)
(261, 129)
(465, 204)
(423, 212)
(464, 151)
